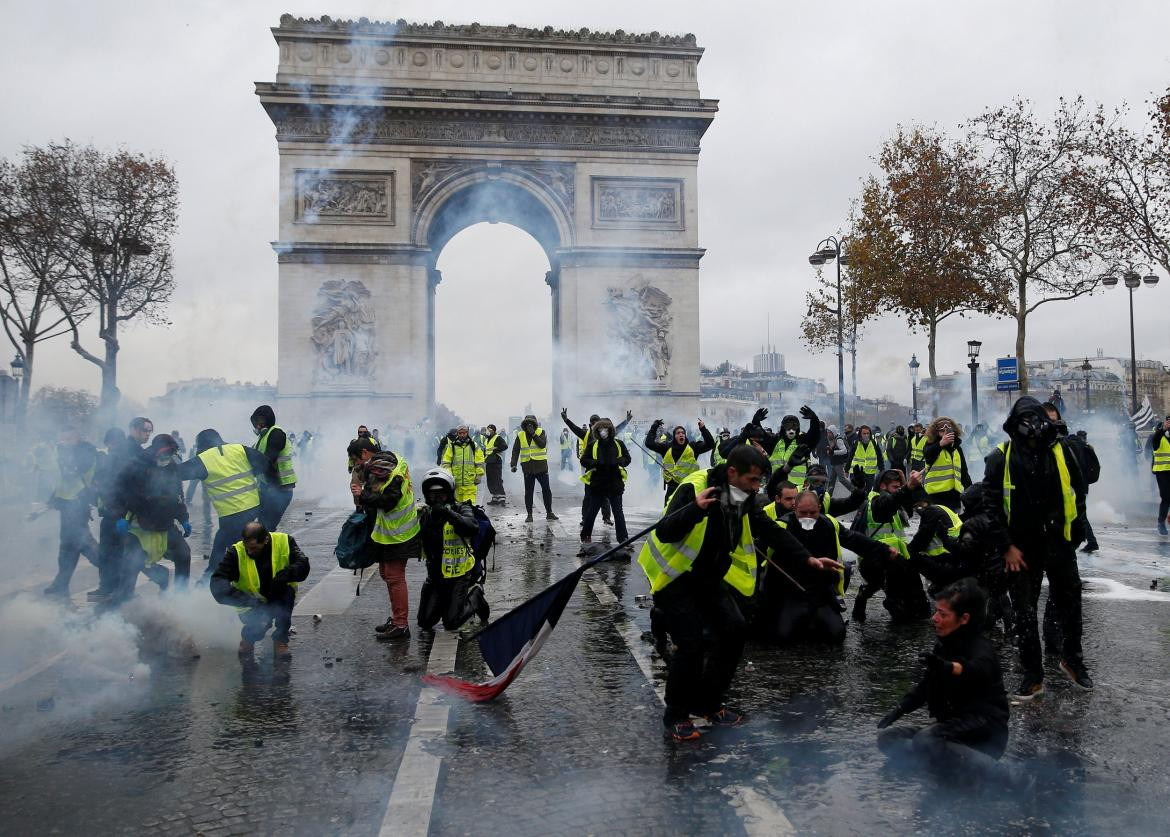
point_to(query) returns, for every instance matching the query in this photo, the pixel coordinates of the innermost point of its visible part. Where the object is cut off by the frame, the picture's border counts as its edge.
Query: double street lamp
(1087, 367)
(914, 364)
(827, 251)
(973, 347)
(1133, 280)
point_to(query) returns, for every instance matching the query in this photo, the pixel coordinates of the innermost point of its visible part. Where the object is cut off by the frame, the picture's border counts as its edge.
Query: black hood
(790, 423)
(266, 413)
(1025, 405)
(207, 439)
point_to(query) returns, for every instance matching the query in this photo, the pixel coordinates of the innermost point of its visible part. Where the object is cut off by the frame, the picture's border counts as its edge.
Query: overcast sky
(808, 92)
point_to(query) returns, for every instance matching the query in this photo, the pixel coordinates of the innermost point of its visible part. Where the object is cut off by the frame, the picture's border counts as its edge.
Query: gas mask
(1033, 427)
(257, 430)
(807, 523)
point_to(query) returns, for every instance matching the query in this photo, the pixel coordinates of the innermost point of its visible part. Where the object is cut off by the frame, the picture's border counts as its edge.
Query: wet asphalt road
(204, 745)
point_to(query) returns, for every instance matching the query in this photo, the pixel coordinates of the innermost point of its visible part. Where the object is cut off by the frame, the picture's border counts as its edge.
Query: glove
(857, 478)
(564, 412)
(122, 526)
(759, 416)
(806, 412)
(935, 664)
(280, 577)
(799, 456)
(657, 423)
(889, 718)
(186, 529)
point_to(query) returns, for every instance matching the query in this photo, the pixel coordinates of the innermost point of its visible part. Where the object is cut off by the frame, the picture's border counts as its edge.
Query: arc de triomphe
(393, 137)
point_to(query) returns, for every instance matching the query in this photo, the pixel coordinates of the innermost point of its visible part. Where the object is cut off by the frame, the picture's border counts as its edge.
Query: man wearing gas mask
(1034, 495)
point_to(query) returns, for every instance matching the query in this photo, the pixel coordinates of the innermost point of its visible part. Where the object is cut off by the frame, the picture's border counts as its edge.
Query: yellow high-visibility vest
(945, 474)
(284, 463)
(399, 524)
(685, 466)
(1162, 456)
(865, 456)
(587, 477)
(458, 558)
(529, 450)
(1069, 496)
(229, 482)
(249, 580)
(936, 545)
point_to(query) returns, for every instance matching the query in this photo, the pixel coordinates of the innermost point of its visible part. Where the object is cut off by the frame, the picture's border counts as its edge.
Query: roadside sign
(1007, 373)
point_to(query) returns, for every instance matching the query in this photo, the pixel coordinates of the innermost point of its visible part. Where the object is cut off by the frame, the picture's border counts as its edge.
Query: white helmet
(440, 475)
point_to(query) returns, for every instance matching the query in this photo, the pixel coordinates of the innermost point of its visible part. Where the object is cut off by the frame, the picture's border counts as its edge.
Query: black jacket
(700, 446)
(493, 449)
(976, 693)
(228, 572)
(152, 494)
(821, 585)
(884, 506)
(724, 529)
(432, 519)
(612, 456)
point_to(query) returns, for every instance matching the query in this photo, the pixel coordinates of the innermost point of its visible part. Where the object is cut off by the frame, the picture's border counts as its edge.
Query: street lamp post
(1087, 367)
(830, 250)
(914, 364)
(18, 379)
(1133, 280)
(973, 347)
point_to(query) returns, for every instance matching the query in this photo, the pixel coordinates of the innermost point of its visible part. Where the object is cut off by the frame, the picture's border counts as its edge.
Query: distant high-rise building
(768, 361)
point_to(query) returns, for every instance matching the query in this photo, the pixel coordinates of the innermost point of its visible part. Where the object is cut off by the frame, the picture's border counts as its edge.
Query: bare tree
(913, 233)
(33, 272)
(1132, 184)
(1047, 227)
(119, 213)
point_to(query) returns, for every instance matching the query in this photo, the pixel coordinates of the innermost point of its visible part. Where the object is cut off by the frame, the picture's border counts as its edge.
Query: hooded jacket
(611, 457)
(700, 446)
(533, 466)
(1037, 502)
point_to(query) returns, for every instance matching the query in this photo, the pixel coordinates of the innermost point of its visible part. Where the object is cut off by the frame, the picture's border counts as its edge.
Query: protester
(530, 451)
(380, 483)
(453, 590)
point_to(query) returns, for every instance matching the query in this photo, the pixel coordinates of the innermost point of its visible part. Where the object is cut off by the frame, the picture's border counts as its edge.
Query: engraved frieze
(636, 203)
(338, 197)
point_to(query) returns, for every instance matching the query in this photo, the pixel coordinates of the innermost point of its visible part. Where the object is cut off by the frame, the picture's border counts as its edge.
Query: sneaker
(1091, 547)
(384, 627)
(608, 521)
(1162, 529)
(396, 632)
(551, 516)
(246, 648)
(98, 595)
(280, 650)
(1030, 686)
(683, 731)
(727, 717)
(56, 590)
(1074, 670)
(529, 518)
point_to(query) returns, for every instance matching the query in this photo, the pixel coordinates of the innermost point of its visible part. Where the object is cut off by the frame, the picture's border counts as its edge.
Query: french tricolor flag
(515, 638)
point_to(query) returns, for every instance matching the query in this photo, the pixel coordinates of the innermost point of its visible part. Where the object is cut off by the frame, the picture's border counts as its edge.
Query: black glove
(564, 412)
(857, 478)
(629, 414)
(936, 664)
(806, 412)
(657, 423)
(799, 456)
(759, 415)
(280, 577)
(891, 716)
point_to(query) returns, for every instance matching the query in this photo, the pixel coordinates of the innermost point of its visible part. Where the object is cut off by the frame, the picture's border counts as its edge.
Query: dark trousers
(276, 613)
(75, 540)
(1163, 478)
(109, 553)
(179, 551)
(530, 481)
(798, 619)
(273, 502)
(495, 476)
(454, 600)
(594, 502)
(708, 632)
(230, 530)
(1055, 557)
(905, 600)
(962, 746)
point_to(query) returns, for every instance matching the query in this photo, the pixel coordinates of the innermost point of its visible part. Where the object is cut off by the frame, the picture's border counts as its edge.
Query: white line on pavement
(412, 796)
(759, 815)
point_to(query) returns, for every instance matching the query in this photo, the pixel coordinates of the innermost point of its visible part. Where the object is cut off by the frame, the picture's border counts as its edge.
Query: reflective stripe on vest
(284, 464)
(1162, 456)
(678, 471)
(399, 524)
(70, 484)
(465, 462)
(529, 450)
(865, 456)
(1069, 496)
(918, 448)
(664, 562)
(889, 533)
(936, 545)
(587, 477)
(780, 456)
(458, 558)
(249, 580)
(154, 544)
(945, 474)
(229, 481)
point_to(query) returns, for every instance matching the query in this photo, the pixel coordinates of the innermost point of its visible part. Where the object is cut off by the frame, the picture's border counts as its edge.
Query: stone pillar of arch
(394, 137)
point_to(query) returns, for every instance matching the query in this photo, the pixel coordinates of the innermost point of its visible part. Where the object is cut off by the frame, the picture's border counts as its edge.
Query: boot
(551, 516)
(863, 594)
(529, 518)
(280, 650)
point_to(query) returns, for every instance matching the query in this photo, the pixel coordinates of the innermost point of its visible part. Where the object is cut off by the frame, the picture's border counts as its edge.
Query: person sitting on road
(259, 575)
(884, 517)
(962, 687)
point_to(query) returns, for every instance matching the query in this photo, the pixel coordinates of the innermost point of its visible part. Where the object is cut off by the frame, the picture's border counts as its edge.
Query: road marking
(759, 815)
(408, 812)
(332, 594)
(28, 673)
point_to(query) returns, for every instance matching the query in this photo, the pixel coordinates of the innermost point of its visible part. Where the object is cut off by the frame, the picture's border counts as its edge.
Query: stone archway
(393, 137)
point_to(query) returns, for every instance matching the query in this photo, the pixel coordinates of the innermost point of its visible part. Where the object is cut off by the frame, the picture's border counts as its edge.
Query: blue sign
(1007, 373)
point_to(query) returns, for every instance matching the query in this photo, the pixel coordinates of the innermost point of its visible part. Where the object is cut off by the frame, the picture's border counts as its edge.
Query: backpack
(483, 540)
(352, 550)
(1092, 465)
